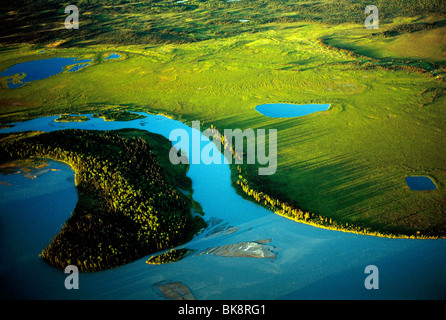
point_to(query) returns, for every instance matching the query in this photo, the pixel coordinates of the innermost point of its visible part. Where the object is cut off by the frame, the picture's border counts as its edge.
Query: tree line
(291, 210)
(294, 213)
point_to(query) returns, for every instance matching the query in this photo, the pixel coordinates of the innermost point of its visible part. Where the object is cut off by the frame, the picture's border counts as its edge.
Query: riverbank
(271, 201)
(310, 263)
(292, 211)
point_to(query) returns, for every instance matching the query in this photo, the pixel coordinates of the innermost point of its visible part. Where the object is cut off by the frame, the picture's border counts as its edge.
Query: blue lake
(420, 183)
(286, 110)
(41, 69)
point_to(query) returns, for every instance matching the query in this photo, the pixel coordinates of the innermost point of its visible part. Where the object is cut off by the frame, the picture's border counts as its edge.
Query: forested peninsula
(128, 204)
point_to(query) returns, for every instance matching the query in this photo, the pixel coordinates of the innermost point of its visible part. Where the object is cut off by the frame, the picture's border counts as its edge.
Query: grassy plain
(386, 120)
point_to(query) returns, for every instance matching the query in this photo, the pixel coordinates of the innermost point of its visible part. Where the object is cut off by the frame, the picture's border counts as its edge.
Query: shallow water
(113, 56)
(311, 263)
(32, 211)
(41, 69)
(285, 110)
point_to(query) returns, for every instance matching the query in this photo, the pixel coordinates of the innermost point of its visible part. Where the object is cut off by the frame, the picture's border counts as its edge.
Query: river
(310, 263)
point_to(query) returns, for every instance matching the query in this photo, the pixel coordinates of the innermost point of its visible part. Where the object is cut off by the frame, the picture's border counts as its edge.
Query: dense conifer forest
(126, 207)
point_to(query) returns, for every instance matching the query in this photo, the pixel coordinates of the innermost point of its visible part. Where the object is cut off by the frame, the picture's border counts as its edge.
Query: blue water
(312, 263)
(78, 67)
(31, 213)
(420, 183)
(285, 110)
(113, 56)
(41, 69)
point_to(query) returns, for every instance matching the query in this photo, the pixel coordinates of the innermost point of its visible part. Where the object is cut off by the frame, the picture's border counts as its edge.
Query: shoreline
(334, 226)
(320, 221)
(314, 219)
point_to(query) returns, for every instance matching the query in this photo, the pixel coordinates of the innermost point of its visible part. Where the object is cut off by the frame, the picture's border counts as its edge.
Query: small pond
(286, 110)
(420, 183)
